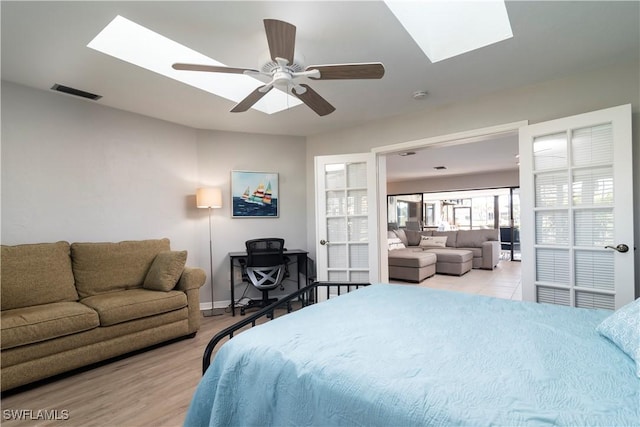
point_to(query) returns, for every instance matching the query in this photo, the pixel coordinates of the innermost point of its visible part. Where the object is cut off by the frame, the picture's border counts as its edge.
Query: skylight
(444, 29)
(140, 46)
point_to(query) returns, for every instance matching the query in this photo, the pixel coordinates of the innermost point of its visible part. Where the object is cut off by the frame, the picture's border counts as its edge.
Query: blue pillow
(623, 329)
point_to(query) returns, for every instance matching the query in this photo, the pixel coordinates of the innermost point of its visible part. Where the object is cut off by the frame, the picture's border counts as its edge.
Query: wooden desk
(299, 254)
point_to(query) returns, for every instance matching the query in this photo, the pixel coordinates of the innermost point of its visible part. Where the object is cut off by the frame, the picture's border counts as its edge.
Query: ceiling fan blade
(253, 97)
(281, 37)
(212, 68)
(373, 70)
(314, 101)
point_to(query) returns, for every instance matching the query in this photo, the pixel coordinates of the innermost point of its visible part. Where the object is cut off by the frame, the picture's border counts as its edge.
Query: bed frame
(308, 295)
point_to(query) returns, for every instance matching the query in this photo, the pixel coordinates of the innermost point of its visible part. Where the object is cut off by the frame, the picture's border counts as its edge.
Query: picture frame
(254, 194)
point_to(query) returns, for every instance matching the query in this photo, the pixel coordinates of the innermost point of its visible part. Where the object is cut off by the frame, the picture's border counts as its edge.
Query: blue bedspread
(393, 355)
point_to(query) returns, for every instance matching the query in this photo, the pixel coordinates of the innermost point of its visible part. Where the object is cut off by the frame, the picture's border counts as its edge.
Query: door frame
(464, 137)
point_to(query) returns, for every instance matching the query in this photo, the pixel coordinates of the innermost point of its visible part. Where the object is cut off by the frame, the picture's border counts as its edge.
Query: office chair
(265, 268)
(505, 238)
(509, 240)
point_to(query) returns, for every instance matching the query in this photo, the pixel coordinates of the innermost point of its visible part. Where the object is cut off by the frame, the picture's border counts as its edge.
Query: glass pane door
(579, 222)
(347, 221)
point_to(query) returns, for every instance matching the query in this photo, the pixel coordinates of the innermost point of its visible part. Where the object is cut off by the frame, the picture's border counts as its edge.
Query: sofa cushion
(411, 258)
(28, 325)
(394, 244)
(413, 236)
(475, 238)
(108, 267)
(433, 241)
(122, 306)
(36, 274)
(451, 237)
(165, 270)
(452, 255)
(477, 252)
(400, 233)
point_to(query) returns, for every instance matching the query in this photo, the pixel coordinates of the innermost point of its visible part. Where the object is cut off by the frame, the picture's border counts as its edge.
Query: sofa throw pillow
(623, 329)
(402, 236)
(433, 241)
(395, 243)
(165, 270)
(413, 237)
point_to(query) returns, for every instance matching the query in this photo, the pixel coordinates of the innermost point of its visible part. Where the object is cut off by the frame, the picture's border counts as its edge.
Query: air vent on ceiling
(76, 92)
(439, 168)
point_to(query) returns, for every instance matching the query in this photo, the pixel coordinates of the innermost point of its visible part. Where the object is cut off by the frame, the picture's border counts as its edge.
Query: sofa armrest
(191, 278)
(490, 254)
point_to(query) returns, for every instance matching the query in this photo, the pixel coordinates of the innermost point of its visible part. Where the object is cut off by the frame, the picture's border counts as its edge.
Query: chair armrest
(191, 278)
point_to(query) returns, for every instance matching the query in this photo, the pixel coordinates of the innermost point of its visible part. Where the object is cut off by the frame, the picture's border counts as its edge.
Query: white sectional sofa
(456, 252)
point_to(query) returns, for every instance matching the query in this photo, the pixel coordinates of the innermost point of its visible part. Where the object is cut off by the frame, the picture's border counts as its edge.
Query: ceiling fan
(284, 71)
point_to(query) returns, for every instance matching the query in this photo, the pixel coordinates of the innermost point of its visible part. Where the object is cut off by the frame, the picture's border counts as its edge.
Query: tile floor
(502, 282)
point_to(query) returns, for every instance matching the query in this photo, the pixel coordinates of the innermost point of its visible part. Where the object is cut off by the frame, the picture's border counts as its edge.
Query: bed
(397, 355)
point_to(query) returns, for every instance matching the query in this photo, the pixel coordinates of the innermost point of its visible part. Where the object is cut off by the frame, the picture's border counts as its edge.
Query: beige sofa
(66, 306)
(461, 251)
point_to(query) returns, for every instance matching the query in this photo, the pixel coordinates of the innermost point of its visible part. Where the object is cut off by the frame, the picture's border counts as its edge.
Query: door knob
(323, 242)
(620, 248)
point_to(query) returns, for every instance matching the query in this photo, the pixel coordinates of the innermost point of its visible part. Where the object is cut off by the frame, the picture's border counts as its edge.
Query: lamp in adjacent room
(210, 198)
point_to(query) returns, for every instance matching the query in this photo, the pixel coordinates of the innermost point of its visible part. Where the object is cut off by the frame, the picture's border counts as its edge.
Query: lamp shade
(209, 197)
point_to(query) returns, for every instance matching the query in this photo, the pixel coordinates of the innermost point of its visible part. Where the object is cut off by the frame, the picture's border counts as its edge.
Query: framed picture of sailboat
(254, 194)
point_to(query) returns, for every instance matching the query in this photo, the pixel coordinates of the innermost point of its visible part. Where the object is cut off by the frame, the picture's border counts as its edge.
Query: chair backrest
(505, 234)
(265, 252)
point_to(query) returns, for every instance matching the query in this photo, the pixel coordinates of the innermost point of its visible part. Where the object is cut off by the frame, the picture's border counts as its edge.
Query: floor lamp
(210, 198)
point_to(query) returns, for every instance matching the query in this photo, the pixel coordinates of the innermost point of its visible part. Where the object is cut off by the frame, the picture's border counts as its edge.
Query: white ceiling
(45, 43)
(495, 153)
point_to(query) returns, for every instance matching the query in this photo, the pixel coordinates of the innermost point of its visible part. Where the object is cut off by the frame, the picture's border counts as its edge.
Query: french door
(347, 232)
(577, 210)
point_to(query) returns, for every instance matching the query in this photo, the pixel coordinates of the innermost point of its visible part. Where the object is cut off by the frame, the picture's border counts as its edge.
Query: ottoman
(411, 265)
(452, 261)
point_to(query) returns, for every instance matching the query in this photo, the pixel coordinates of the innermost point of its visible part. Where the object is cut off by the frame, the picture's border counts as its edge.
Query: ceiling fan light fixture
(268, 65)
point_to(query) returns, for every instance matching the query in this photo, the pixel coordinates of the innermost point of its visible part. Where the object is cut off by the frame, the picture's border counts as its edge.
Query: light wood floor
(154, 388)
(502, 282)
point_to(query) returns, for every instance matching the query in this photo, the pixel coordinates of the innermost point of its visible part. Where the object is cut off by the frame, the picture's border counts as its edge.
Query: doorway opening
(496, 208)
(478, 150)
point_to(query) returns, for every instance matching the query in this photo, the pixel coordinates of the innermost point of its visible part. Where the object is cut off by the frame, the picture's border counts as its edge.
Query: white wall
(603, 88)
(499, 179)
(77, 171)
(218, 154)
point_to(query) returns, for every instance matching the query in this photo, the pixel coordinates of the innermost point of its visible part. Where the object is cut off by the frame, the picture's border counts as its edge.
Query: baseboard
(218, 304)
(226, 303)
